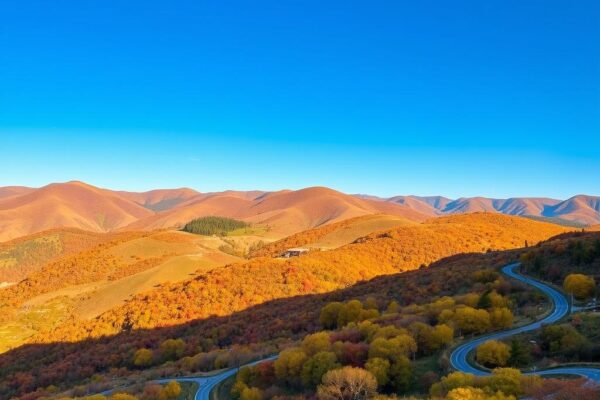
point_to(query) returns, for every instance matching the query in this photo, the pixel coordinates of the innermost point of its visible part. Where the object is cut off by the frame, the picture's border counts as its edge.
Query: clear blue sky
(493, 98)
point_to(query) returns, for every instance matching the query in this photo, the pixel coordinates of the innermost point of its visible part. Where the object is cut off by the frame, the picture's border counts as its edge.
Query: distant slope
(236, 287)
(160, 199)
(19, 257)
(8, 191)
(72, 204)
(559, 221)
(285, 212)
(333, 235)
(581, 209)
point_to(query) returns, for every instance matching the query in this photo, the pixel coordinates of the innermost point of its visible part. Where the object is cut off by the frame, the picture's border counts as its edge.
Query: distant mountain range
(25, 210)
(76, 204)
(580, 209)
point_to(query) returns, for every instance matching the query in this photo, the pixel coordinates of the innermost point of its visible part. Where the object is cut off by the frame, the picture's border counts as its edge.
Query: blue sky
(494, 98)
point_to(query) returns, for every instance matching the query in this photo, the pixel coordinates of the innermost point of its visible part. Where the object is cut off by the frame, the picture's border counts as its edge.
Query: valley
(197, 284)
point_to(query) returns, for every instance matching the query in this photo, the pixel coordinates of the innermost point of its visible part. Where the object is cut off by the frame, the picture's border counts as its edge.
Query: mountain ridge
(583, 209)
(76, 204)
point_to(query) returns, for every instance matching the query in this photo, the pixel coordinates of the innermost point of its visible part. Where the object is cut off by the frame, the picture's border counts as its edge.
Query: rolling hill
(70, 273)
(8, 191)
(285, 212)
(238, 286)
(19, 257)
(72, 204)
(25, 211)
(160, 199)
(333, 235)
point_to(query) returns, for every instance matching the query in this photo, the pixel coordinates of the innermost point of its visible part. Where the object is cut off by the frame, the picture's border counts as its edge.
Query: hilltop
(72, 204)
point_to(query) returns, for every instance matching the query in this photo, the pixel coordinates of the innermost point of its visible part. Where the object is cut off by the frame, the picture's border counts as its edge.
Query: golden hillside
(102, 275)
(235, 287)
(333, 235)
(19, 257)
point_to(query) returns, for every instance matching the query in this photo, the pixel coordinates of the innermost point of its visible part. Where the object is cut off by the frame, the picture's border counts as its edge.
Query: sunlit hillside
(24, 255)
(108, 269)
(333, 235)
(226, 290)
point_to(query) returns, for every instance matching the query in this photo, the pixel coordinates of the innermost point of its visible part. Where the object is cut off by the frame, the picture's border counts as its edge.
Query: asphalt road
(207, 383)
(459, 356)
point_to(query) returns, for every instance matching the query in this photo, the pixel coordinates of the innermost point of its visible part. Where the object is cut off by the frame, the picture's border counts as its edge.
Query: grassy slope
(334, 235)
(159, 257)
(22, 256)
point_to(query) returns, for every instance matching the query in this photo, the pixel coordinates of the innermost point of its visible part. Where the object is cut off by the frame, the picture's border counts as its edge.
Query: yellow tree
(451, 381)
(251, 394)
(172, 349)
(469, 319)
(470, 393)
(581, 286)
(380, 368)
(329, 314)
(171, 391)
(493, 354)
(441, 335)
(288, 366)
(143, 358)
(510, 381)
(317, 366)
(315, 343)
(348, 383)
(501, 317)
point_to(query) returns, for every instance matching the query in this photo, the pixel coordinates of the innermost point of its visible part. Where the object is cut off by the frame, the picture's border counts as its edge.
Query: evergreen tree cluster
(213, 225)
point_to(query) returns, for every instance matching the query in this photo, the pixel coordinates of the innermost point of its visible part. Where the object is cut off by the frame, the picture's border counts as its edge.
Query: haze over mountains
(581, 209)
(75, 204)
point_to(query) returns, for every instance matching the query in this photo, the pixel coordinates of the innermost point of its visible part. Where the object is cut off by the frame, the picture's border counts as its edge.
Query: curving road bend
(207, 383)
(459, 356)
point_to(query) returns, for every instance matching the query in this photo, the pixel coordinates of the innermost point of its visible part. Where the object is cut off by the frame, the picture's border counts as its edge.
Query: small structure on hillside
(294, 252)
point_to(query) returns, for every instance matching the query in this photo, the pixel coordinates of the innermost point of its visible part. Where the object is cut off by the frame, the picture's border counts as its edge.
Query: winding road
(459, 356)
(560, 308)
